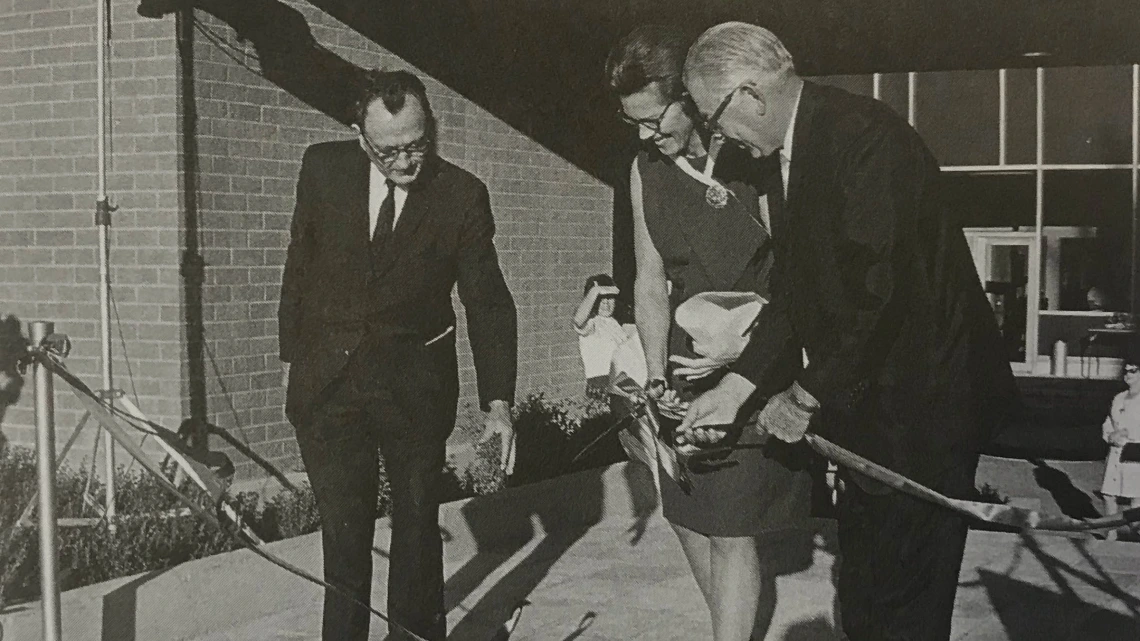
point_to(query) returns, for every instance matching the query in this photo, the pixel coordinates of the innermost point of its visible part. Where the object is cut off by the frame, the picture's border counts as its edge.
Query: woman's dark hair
(651, 53)
(393, 89)
(1131, 350)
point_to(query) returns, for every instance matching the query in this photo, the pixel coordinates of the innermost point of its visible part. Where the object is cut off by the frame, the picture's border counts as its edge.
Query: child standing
(1121, 431)
(599, 333)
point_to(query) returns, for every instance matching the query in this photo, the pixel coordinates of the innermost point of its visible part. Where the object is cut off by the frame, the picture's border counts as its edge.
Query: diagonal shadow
(120, 609)
(287, 52)
(1073, 501)
(502, 525)
(1057, 568)
(283, 63)
(1032, 613)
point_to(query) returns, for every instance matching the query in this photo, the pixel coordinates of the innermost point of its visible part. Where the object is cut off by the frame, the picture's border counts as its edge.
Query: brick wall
(48, 241)
(231, 198)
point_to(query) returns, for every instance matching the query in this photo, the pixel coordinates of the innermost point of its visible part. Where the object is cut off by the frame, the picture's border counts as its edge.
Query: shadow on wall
(12, 345)
(288, 56)
(287, 53)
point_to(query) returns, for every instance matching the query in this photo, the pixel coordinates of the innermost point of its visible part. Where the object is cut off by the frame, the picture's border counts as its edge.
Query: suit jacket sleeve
(297, 258)
(492, 324)
(882, 183)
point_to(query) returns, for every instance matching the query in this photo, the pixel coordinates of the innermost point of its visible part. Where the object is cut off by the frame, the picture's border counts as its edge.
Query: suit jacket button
(345, 352)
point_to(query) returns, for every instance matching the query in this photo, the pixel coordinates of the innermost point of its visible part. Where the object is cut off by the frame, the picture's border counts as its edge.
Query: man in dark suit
(874, 280)
(383, 230)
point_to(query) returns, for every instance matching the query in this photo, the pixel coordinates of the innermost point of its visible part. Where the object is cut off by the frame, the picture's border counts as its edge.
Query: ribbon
(993, 513)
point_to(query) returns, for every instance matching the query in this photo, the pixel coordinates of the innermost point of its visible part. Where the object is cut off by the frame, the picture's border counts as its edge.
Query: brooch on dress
(716, 195)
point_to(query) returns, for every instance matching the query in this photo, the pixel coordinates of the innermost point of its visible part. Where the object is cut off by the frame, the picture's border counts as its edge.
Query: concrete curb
(218, 592)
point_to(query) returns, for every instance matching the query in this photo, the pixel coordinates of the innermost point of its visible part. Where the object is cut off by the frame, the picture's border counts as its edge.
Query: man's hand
(787, 414)
(498, 421)
(284, 374)
(718, 406)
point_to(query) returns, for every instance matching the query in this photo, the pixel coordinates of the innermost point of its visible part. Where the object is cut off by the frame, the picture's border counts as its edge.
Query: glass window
(956, 112)
(1088, 115)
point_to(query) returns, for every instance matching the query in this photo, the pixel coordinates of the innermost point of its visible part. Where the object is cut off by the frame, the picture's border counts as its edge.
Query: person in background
(1096, 299)
(696, 232)
(1121, 430)
(599, 333)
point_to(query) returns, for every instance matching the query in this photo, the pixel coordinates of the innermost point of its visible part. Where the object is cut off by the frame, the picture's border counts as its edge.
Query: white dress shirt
(785, 165)
(786, 151)
(377, 192)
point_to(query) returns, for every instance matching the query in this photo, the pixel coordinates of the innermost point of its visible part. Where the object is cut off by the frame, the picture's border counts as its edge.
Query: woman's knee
(736, 547)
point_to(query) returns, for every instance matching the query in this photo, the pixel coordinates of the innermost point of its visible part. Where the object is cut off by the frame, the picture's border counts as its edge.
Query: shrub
(290, 513)
(989, 494)
(148, 537)
(551, 434)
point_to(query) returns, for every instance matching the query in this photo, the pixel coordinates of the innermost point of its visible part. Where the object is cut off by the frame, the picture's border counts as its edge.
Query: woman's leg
(1111, 507)
(735, 586)
(696, 547)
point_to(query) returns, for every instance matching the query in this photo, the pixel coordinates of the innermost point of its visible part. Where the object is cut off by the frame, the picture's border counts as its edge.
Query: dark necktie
(385, 218)
(771, 183)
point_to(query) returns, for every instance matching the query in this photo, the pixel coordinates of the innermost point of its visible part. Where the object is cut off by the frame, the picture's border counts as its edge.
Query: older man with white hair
(873, 279)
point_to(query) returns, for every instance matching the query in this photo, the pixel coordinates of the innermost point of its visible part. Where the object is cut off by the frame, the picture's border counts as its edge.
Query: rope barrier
(992, 513)
(103, 414)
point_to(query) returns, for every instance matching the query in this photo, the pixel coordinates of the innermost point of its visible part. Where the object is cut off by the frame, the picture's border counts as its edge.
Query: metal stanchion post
(45, 462)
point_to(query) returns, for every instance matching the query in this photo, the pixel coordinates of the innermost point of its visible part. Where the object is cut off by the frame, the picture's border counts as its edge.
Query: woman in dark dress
(694, 232)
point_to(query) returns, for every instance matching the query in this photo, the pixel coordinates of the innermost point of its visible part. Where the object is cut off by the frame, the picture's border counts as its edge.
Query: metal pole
(1135, 184)
(45, 464)
(911, 97)
(1003, 110)
(103, 222)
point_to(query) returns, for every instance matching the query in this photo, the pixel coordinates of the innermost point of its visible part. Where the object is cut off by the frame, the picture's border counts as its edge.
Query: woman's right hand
(606, 290)
(1118, 438)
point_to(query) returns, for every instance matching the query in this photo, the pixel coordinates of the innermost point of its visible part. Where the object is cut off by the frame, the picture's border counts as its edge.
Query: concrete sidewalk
(595, 560)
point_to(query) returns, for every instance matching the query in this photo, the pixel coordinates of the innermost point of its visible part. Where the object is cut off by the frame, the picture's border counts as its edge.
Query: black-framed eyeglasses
(1131, 369)
(652, 124)
(389, 155)
(712, 123)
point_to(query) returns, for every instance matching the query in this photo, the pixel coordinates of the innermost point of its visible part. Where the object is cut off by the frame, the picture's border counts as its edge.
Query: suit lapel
(357, 188)
(354, 181)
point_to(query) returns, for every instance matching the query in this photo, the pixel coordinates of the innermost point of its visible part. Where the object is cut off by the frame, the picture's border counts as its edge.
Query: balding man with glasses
(382, 231)
(874, 280)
